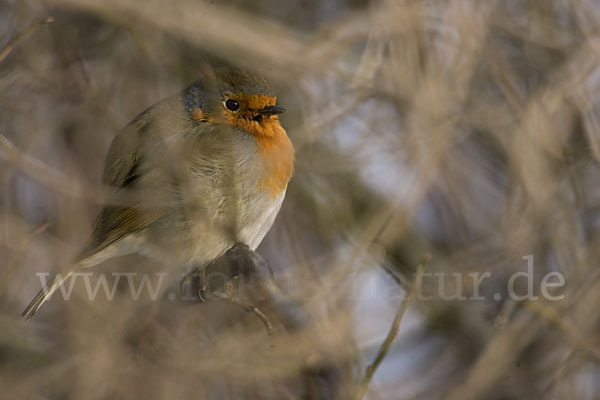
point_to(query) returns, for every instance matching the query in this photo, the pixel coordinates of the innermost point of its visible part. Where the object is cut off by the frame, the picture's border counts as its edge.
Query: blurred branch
(498, 357)
(55, 180)
(202, 23)
(40, 171)
(571, 332)
(387, 343)
(35, 25)
(5, 275)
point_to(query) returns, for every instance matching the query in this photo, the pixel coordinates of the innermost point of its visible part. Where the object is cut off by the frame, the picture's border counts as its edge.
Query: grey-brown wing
(121, 170)
(122, 159)
(144, 152)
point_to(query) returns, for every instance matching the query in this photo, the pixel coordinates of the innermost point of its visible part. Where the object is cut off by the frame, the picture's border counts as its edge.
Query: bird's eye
(232, 105)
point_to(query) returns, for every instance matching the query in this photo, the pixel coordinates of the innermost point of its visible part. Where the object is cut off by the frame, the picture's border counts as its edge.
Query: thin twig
(248, 307)
(387, 343)
(34, 26)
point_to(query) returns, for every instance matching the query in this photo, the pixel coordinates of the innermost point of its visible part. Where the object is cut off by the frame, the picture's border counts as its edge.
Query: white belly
(255, 230)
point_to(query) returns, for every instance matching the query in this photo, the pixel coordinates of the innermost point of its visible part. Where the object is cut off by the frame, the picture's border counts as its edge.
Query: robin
(209, 168)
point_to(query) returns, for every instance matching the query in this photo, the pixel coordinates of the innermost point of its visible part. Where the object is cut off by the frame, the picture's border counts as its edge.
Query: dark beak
(271, 110)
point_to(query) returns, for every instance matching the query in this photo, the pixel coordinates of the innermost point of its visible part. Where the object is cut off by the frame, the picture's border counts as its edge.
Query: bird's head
(237, 97)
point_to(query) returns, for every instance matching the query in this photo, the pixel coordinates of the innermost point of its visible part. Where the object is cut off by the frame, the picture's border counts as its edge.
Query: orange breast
(278, 153)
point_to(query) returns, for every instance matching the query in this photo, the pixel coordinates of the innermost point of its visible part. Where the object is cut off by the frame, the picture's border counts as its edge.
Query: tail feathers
(44, 295)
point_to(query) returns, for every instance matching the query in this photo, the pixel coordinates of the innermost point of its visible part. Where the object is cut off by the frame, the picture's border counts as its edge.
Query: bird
(206, 168)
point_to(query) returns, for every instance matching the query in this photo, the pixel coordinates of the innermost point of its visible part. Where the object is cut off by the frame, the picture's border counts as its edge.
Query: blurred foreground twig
(38, 170)
(5, 276)
(35, 25)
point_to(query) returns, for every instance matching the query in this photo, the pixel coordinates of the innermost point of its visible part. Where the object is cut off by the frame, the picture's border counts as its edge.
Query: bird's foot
(239, 273)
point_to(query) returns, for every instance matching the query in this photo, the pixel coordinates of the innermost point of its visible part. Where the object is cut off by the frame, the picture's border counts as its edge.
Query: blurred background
(465, 131)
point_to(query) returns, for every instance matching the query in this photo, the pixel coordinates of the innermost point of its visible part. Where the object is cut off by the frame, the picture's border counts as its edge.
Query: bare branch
(387, 343)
